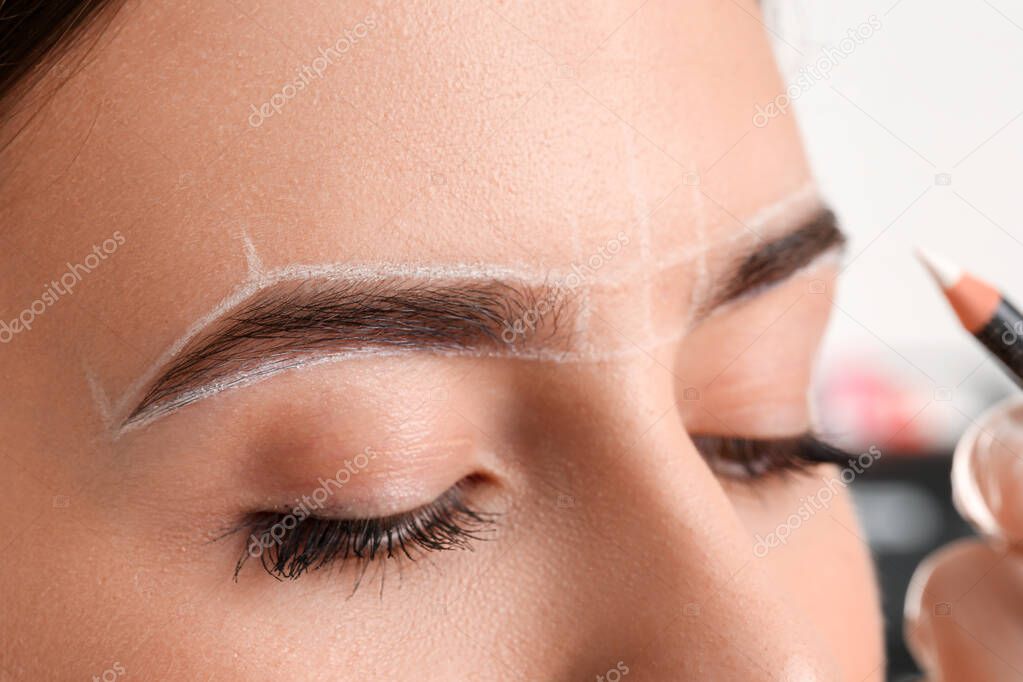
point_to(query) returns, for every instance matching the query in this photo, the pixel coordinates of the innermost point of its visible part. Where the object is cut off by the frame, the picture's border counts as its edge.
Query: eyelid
(404, 465)
(752, 459)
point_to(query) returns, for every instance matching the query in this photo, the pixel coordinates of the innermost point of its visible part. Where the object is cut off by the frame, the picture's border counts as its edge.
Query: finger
(964, 614)
(987, 473)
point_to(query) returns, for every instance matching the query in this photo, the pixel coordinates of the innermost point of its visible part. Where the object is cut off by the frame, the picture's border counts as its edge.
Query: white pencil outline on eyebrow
(328, 272)
(698, 294)
(641, 214)
(260, 279)
(99, 395)
(272, 368)
(252, 259)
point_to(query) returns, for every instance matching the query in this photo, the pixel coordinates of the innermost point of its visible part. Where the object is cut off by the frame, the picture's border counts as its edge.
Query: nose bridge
(697, 597)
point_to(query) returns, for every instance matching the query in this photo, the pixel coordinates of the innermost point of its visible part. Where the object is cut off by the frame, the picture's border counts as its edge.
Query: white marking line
(99, 396)
(582, 319)
(252, 259)
(273, 368)
(641, 213)
(245, 378)
(801, 198)
(697, 296)
(327, 272)
(482, 272)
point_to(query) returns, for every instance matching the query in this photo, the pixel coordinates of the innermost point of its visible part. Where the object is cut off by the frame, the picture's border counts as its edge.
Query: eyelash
(314, 542)
(749, 460)
(448, 523)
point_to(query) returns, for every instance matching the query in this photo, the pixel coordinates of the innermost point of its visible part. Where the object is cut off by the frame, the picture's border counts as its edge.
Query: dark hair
(29, 32)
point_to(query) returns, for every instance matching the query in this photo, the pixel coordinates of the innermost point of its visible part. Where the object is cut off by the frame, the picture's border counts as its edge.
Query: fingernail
(987, 473)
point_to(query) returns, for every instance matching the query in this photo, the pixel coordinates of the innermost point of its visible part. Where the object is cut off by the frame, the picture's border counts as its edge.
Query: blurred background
(914, 125)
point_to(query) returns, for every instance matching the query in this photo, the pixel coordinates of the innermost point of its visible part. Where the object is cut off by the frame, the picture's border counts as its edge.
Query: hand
(964, 607)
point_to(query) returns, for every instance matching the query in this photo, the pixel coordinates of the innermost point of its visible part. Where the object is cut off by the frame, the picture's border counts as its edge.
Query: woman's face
(446, 276)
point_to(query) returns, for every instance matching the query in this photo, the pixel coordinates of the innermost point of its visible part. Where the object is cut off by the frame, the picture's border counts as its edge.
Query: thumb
(964, 614)
(987, 473)
(964, 607)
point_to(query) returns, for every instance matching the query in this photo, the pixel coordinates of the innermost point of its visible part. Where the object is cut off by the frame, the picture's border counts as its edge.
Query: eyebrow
(290, 323)
(775, 260)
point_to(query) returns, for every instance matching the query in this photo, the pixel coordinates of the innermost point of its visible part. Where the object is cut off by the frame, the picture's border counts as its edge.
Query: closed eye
(288, 544)
(750, 459)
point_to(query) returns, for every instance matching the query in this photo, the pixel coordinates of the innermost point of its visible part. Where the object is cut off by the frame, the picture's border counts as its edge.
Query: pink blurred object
(863, 407)
(862, 399)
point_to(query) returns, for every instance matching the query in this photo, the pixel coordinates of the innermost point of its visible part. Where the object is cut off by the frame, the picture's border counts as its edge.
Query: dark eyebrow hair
(776, 260)
(287, 323)
(291, 321)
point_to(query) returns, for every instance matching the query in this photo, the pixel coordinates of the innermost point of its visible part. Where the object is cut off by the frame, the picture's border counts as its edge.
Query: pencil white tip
(944, 271)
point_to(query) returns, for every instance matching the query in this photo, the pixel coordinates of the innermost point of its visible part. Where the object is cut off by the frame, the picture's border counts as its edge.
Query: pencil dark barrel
(1003, 336)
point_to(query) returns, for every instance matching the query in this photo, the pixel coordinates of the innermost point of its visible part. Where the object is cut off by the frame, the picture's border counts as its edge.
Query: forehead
(528, 137)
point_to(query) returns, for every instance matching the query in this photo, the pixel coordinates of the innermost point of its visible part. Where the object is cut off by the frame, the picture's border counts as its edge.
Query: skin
(524, 136)
(963, 608)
